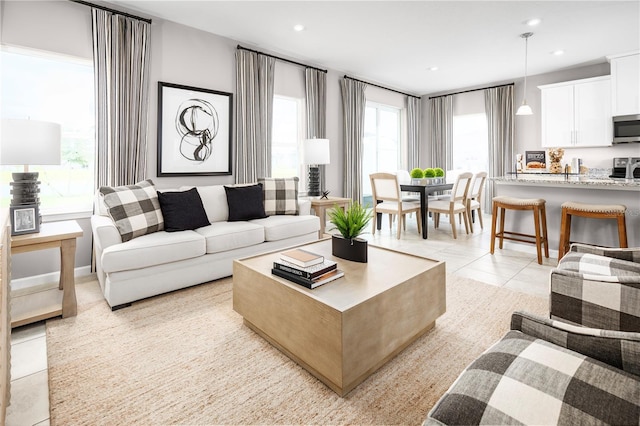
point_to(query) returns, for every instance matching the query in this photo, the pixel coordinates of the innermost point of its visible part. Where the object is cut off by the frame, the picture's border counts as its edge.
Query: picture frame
(25, 219)
(194, 131)
(535, 161)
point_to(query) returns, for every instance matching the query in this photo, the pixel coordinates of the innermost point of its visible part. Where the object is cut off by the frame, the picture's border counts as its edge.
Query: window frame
(300, 137)
(83, 203)
(401, 150)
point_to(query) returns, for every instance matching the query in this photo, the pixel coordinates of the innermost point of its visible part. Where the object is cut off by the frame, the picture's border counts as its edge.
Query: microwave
(626, 128)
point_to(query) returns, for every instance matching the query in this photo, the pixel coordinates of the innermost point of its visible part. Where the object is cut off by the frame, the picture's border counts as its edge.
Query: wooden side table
(50, 302)
(320, 206)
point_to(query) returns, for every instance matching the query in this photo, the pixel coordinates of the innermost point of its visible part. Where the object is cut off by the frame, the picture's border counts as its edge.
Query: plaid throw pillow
(280, 195)
(134, 208)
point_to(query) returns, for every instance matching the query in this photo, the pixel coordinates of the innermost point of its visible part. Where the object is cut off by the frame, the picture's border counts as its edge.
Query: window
(470, 142)
(286, 139)
(381, 143)
(56, 88)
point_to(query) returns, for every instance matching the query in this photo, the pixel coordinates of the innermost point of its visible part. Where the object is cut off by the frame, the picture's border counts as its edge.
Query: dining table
(424, 190)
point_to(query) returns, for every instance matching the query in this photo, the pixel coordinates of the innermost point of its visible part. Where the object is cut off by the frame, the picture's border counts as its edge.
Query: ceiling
(394, 43)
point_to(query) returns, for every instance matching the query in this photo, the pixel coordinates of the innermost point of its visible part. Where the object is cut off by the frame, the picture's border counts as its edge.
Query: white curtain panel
(353, 106)
(413, 132)
(499, 109)
(316, 108)
(254, 115)
(441, 115)
(121, 67)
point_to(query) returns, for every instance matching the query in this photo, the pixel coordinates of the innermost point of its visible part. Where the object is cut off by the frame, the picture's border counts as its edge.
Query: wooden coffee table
(345, 330)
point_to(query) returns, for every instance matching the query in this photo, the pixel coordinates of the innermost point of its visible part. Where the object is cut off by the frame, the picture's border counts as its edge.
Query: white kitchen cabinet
(625, 83)
(576, 113)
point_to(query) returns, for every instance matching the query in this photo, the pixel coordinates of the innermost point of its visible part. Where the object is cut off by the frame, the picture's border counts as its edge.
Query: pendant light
(525, 109)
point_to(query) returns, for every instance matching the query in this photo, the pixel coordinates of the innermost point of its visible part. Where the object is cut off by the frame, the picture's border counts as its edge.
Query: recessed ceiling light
(558, 52)
(298, 27)
(433, 68)
(533, 22)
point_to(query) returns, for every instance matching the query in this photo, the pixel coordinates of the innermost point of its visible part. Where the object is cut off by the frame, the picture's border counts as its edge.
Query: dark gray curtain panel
(254, 115)
(413, 132)
(441, 115)
(498, 102)
(316, 109)
(121, 68)
(353, 106)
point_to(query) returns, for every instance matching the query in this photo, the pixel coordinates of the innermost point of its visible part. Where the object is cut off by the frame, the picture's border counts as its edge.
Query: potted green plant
(439, 174)
(417, 176)
(417, 173)
(350, 223)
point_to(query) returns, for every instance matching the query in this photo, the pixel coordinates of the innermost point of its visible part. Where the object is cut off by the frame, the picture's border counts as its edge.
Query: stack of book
(305, 268)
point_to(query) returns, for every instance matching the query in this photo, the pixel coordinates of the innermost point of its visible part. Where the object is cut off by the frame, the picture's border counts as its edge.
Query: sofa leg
(124, 305)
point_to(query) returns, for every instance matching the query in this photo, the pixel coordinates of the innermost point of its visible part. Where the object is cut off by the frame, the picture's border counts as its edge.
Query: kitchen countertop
(575, 181)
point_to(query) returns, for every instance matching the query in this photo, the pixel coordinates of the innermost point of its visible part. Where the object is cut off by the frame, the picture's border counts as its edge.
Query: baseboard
(38, 280)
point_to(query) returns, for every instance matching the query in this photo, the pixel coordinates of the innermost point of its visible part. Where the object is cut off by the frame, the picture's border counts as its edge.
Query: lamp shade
(29, 142)
(524, 109)
(316, 151)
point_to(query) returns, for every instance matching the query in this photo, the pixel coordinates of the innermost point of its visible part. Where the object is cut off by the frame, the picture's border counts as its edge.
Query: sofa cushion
(225, 236)
(280, 195)
(524, 380)
(134, 209)
(153, 249)
(245, 202)
(280, 227)
(214, 200)
(182, 210)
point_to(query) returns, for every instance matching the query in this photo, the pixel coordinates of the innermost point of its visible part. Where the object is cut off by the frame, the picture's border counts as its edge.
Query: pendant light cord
(526, 54)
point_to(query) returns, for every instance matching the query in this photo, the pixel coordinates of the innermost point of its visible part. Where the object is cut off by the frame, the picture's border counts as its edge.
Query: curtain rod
(471, 90)
(281, 59)
(382, 87)
(117, 12)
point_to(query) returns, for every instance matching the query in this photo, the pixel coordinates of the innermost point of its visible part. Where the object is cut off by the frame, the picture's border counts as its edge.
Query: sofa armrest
(105, 233)
(616, 348)
(629, 254)
(304, 207)
(596, 291)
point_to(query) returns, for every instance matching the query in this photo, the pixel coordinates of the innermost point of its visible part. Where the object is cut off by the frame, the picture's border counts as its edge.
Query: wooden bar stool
(594, 211)
(537, 206)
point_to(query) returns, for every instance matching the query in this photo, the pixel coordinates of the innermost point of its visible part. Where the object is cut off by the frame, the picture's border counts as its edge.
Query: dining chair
(474, 199)
(457, 204)
(405, 177)
(387, 199)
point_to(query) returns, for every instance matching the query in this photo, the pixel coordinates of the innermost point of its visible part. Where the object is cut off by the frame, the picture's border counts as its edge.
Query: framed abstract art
(194, 131)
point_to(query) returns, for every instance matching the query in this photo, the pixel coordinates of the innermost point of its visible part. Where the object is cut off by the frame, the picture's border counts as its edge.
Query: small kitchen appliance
(626, 128)
(620, 167)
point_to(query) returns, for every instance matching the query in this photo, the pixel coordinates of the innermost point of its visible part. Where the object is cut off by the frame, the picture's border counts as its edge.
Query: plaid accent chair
(580, 367)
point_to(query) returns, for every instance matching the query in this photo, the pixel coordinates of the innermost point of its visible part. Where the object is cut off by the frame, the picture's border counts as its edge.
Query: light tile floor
(514, 267)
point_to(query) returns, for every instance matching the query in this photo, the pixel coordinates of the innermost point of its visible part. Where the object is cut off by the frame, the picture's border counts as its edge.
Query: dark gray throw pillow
(245, 202)
(182, 210)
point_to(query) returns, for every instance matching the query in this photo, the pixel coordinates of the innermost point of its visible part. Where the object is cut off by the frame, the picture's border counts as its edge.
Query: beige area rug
(187, 358)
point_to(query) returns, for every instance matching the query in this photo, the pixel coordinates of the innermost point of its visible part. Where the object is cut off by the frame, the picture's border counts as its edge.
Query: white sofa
(162, 261)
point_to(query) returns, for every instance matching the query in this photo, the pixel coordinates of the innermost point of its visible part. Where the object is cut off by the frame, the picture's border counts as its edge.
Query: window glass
(286, 139)
(56, 88)
(470, 142)
(381, 143)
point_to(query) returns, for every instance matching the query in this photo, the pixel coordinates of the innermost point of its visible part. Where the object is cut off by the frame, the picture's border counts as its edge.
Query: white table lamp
(315, 153)
(25, 143)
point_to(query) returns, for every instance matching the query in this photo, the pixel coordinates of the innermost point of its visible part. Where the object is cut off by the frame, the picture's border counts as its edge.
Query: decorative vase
(354, 249)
